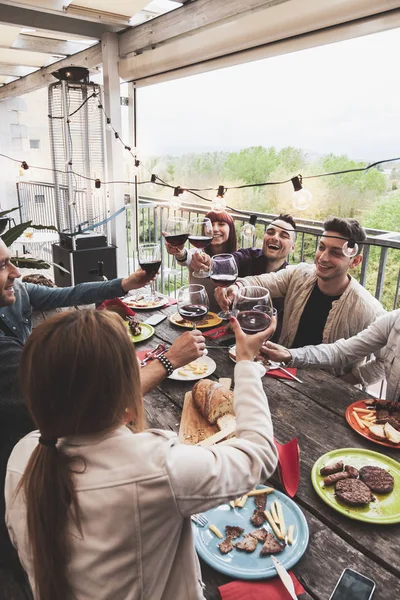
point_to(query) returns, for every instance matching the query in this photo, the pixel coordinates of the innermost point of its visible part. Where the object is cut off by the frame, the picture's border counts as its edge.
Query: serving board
(194, 427)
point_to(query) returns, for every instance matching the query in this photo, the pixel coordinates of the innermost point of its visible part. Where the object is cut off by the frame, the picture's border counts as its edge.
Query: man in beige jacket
(323, 303)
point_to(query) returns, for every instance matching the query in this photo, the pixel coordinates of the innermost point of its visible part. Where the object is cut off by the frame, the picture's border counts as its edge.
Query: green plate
(385, 509)
(146, 333)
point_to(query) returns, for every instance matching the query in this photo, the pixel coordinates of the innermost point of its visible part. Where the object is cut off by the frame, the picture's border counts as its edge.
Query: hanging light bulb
(108, 125)
(219, 203)
(301, 198)
(248, 233)
(152, 187)
(350, 248)
(175, 202)
(184, 195)
(135, 168)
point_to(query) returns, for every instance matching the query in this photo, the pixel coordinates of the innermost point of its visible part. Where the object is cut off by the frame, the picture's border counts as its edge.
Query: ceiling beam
(15, 71)
(89, 58)
(186, 20)
(34, 43)
(38, 19)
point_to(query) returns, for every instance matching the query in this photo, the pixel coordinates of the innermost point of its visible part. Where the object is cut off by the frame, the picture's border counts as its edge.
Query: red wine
(253, 321)
(193, 312)
(200, 241)
(152, 267)
(176, 240)
(223, 280)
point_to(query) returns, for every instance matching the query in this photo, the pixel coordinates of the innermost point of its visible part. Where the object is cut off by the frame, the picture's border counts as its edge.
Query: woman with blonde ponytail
(100, 511)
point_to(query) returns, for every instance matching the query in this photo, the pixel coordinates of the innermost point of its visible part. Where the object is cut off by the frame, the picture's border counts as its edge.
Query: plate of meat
(361, 484)
(210, 320)
(141, 302)
(248, 538)
(138, 332)
(376, 420)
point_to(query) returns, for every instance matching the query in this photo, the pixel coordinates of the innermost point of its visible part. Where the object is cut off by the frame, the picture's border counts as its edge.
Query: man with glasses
(322, 302)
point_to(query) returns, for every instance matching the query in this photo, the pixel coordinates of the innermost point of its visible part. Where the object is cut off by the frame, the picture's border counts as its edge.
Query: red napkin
(280, 374)
(170, 302)
(273, 589)
(122, 307)
(216, 332)
(141, 354)
(289, 465)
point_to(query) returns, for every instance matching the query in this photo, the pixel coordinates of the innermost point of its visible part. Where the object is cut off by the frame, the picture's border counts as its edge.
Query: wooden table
(314, 413)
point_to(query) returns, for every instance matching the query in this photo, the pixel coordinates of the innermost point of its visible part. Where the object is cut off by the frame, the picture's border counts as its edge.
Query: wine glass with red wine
(200, 236)
(223, 273)
(193, 303)
(176, 233)
(150, 261)
(253, 309)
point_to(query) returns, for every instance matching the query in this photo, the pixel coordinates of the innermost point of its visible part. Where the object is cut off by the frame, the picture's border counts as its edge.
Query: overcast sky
(342, 98)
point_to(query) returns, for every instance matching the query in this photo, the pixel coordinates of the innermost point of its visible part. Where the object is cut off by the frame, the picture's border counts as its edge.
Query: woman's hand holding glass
(248, 346)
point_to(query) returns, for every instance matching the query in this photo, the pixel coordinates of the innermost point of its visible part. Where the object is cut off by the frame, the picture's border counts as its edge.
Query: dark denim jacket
(17, 318)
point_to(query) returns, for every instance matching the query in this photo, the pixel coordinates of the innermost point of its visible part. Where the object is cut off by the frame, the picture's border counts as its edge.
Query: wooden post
(115, 169)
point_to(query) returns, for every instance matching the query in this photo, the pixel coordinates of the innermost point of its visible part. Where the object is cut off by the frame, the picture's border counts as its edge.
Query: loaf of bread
(212, 399)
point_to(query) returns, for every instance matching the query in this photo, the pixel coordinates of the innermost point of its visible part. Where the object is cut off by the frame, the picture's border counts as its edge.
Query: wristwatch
(183, 259)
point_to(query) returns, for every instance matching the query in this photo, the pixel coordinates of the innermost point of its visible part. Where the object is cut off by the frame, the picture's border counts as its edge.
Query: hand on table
(186, 348)
(135, 281)
(225, 296)
(276, 352)
(248, 346)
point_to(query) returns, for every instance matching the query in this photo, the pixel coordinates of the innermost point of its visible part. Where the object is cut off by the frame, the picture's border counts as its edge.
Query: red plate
(364, 432)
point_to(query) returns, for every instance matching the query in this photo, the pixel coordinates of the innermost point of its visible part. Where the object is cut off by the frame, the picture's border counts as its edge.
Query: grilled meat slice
(258, 518)
(330, 469)
(391, 420)
(248, 544)
(331, 479)
(233, 531)
(353, 492)
(377, 479)
(261, 501)
(226, 546)
(259, 534)
(272, 546)
(352, 471)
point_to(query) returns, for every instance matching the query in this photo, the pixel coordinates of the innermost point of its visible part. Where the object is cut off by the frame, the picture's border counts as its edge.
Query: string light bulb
(350, 248)
(301, 197)
(97, 184)
(219, 203)
(175, 202)
(135, 168)
(152, 186)
(24, 165)
(248, 232)
(108, 124)
(184, 195)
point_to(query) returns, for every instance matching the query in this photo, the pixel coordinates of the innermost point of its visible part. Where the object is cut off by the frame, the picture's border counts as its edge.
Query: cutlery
(158, 351)
(285, 577)
(276, 365)
(200, 519)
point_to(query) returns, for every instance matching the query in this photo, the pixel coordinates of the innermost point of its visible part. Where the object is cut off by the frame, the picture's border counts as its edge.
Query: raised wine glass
(176, 232)
(200, 236)
(253, 309)
(150, 261)
(223, 273)
(193, 303)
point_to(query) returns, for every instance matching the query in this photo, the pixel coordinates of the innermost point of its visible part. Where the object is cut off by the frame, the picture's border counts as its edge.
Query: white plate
(232, 356)
(142, 305)
(203, 360)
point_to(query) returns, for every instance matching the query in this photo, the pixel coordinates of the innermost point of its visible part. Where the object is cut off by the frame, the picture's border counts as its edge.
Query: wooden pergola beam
(186, 20)
(15, 71)
(33, 43)
(89, 58)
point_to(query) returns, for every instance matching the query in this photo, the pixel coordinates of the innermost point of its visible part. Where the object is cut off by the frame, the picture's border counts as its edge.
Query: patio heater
(78, 157)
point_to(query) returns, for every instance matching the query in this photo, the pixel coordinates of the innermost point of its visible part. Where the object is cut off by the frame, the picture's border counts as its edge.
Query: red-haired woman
(224, 241)
(100, 511)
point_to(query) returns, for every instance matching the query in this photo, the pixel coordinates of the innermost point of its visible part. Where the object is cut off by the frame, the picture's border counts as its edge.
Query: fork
(158, 351)
(200, 519)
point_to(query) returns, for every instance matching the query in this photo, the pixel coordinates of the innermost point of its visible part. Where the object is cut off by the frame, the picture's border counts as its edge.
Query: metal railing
(379, 271)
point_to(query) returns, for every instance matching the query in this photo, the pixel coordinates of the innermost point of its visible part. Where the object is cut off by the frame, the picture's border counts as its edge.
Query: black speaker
(83, 264)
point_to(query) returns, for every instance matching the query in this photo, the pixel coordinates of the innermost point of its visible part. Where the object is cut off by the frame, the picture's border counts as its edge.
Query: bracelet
(166, 363)
(183, 258)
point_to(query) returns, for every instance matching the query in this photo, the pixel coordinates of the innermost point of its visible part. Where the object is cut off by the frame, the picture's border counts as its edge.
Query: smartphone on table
(353, 586)
(155, 319)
